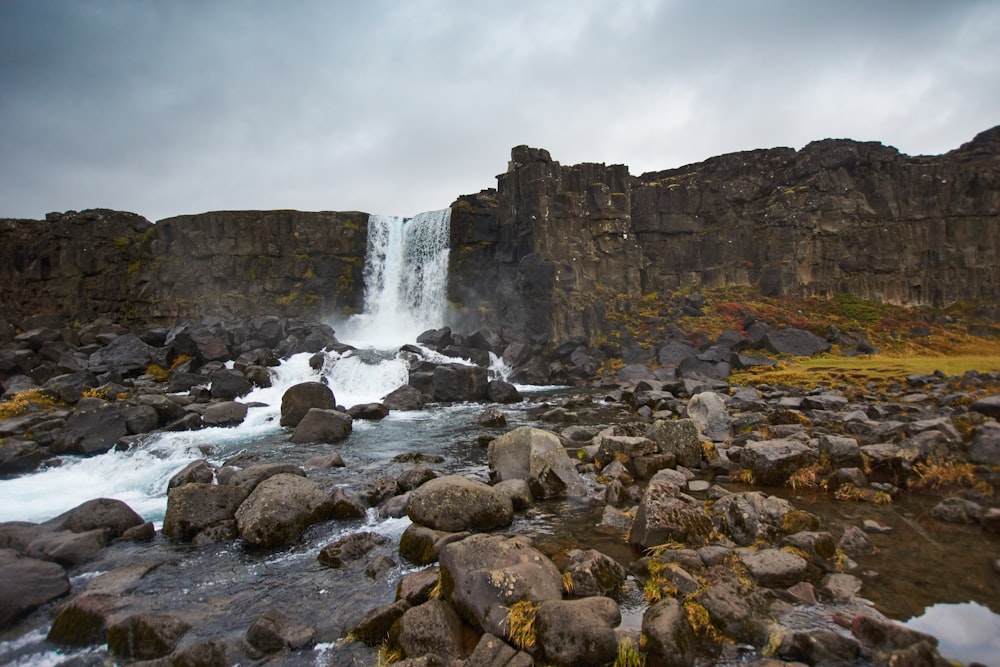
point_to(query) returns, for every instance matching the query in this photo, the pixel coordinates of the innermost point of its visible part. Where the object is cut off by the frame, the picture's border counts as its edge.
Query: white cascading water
(405, 276)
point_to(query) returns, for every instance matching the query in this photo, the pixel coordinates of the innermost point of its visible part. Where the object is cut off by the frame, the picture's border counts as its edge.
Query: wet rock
(985, 445)
(229, 384)
(840, 587)
(92, 431)
(773, 568)
(414, 477)
(794, 342)
(280, 509)
(416, 587)
(455, 503)
(844, 452)
(432, 627)
(140, 419)
(491, 418)
(885, 635)
(678, 437)
(957, 510)
(494, 652)
(83, 620)
(774, 461)
(331, 460)
(350, 548)
(251, 476)
(578, 632)
(537, 456)
(663, 516)
(226, 413)
(373, 627)
(820, 646)
(319, 425)
(500, 391)
(519, 492)
(196, 472)
(145, 636)
(670, 639)
(483, 575)
(18, 456)
(421, 545)
(394, 507)
(196, 506)
(854, 542)
(300, 398)
(28, 584)
(991, 520)
(127, 355)
(736, 611)
(107, 514)
(459, 383)
(404, 398)
(819, 546)
(68, 548)
(369, 411)
(273, 632)
(594, 573)
(708, 412)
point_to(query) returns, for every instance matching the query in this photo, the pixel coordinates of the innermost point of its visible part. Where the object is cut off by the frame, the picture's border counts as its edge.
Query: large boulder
(92, 431)
(455, 503)
(320, 425)
(228, 384)
(537, 456)
(708, 412)
(594, 573)
(794, 342)
(404, 398)
(772, 462)
(225, 413)
(459, 382)
(126, 355)
(280, 509)
(195, 507)
(300, 398)
(28, 584)
(483, 575)
(578, 632)
(670, 640)
(663, 516)
(112, 516)
(432, 627)
(678, 437)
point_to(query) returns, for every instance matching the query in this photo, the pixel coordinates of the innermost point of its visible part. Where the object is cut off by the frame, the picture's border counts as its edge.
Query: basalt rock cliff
(554, 251)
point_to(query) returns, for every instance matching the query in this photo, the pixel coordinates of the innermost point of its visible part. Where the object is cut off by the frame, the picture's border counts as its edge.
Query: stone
(708, 412)
(199, 471)
(669, 635)
(279, 510)
(840, 587)
(83, 620)
(885, 635)
(68, 548)
(127, 355)
(350, 548)
(272, 632)
(369, 411)
(331, 460)
(663, 516)
(373, 627)
(773, 568)
(145, 636)
(500, 391)
(854, 542)
(226, 413)
(819, 646)
(319, 425)
(844, 451)
(519, 492)
(594, 573)
(422, 545)
(622, 447)
(491, 651)
(483, 575)
(432, 627)
(112, 516)
(988, 405)
(537, 456)
(140, 419)
(459, 383)
(92, 431)
(985, 445)
(794, 342)
(578, 632)
(229, 384)
(678, 437)
(251, 476)
(404, 398)
(197, 506)
(772, 462)
(28, 584)
(957, 510)
(455, 503)
(414, 477)
(416, 587)
(491, 418)
(300, 398)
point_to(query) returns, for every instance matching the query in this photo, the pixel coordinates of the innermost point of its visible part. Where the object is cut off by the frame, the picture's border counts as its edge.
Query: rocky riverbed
(660, 510)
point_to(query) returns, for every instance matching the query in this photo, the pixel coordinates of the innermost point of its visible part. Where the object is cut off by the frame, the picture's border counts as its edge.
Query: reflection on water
(967, 632)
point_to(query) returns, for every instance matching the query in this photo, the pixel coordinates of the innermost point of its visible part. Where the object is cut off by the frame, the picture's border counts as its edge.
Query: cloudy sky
(165, 107)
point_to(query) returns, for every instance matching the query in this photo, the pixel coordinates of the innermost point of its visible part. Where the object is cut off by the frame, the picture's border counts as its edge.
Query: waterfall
(406, 274)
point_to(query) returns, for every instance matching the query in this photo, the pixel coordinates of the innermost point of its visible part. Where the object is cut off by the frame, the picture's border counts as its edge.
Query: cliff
(554, 252)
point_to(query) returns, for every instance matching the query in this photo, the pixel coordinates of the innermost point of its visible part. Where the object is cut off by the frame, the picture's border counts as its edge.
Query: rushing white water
(406, 273)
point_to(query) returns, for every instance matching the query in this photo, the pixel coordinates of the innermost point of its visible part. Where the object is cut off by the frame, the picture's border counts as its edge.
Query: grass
(521, 623)
(629, 654)
(25, 401)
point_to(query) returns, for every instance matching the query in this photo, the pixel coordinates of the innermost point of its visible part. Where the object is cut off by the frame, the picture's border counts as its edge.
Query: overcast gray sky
(184, 106)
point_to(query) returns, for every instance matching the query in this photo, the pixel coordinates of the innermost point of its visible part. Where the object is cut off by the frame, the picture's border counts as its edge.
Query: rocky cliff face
(557, 252)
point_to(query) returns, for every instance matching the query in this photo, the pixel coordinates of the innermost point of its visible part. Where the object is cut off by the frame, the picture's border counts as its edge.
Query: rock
(300, 398)
(840, 587)
(19, 456)
(594, 573)
(196, 472)
(537, 456)
(251, 476)
(331, 460)
(404, 398)
(708, 412)
(459, 383)
(140, 419)
(483, 575)
(578, 632)
(854, 542)
(957, 510)
(369, 411)
(669, 636)
(319, 425)
(819, 646)
(985, 445)
(990, 520)
(519, 492)
(492, 418)
(280, 509)
(844, 452)
(414, 477)
(374, 626)
(272, 632)
(106, 514)
(228, 385)
(499, 391)
(421, 545)
(145, 636)
(622, 448)
(678, 437)
(494, 652)
(349, 548)
(988, 405)
(83, 620)
(416, 587)
(127, 355)
(773, 568)
(195, 507)
(772, 462)
(885, 635)
(662, 516)
(226, 413)
(454, 503)
(92, 432)
(794, 342)
(28, 584)
(67, 548)
(432, 627)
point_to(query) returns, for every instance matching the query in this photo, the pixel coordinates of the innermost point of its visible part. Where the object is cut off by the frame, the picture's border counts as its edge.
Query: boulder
(537, 456)
(774, 461)
(350, 548)
(83, 620)
(594, 573)
(280, 509)
(794, 342)
(985, 445)
(226, 413)
(491, 651)
(199, 471)
(369, 411)
(491, 418)
(678, 437)
(126, 355)
(300, 398)
(198, 506)
(957, 510)
(404, 398)
(662, 516)
(483, 575)
(92, 431)
(145, 636)
(422, 545)
(28, 584)
(273, 632)
(251, 476)
(319, 425)
(773, 568)
(749, 516)
(455, 503)
(708, 412)
(623, 448)
(988, 405)
(432, 627)
(112, 516)
(578, 632)
(229, 384)
(500, 391)
(459, 383)
(819, 646)
(669, 636)
(140, 419)
(67, 548)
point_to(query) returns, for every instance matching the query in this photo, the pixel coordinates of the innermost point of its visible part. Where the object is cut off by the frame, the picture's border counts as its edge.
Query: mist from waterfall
(406, 274)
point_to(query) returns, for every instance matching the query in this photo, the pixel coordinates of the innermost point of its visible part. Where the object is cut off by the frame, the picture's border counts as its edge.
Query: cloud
(181, 107)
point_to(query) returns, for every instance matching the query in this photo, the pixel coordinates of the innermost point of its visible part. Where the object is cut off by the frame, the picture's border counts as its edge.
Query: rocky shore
(681, 465)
